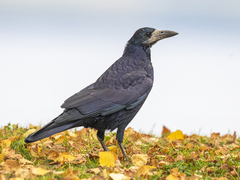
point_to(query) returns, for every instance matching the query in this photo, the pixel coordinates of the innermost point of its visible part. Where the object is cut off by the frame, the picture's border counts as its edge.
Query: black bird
(117, 95)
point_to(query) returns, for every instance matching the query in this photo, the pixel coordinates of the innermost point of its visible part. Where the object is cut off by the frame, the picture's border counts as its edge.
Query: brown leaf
(131, 135)
(10, 165)
(210, 170)
(111, 141)
(94, 170)
(53, 155)
(180, 157)
(79, 159)
(165, 131)
(58, 148)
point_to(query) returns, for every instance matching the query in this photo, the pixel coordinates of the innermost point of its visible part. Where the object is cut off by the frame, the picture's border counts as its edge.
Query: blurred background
(50, 50)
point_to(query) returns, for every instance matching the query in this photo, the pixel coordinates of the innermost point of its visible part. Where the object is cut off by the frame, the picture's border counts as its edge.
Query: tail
(64, 121)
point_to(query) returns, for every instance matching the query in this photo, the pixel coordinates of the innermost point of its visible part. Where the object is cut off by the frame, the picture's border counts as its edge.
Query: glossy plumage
(117, 95)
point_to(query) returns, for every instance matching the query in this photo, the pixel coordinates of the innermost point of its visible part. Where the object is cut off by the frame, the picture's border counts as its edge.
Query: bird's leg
(120, 133)
(100, 136)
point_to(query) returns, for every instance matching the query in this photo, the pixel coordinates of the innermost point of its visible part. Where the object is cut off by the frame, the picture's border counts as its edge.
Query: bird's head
(147, 37)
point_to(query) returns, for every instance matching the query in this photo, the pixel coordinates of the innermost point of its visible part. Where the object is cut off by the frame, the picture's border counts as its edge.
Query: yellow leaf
(39, 171)
(53, 155)
(8, 152)
(144, 170)
(66, 157)
(25, 161)
(59, 138)
(71, 134)
(30, 131)
(172, 177)
(35, 150)
(113, 149)
(1, 157)
(176, 135)
(107, 159)
(5, 143)
(131, 135)
(114, 176)
(139, 159)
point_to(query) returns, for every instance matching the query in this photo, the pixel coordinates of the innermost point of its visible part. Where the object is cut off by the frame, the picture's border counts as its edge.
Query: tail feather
(48, 130)
(66, 120)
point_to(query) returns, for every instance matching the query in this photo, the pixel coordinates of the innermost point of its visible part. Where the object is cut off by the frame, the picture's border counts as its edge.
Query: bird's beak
(158, 35)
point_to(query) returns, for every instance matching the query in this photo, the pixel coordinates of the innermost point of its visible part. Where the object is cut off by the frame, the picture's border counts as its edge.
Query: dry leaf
(40, 171)
(5, 143)
(131, 135)
(30, 131)
(139, 159)
(8, 153)
(172, 177)
(176, 135)
(94, 170)
(65, 157)
(165, 130)
(10, 165)
(22, 173)
(144, 170)
(113, 149)
(107, 159)
(114, 176)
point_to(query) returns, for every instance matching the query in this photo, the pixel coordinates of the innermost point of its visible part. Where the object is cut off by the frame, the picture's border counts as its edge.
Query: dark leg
(100, 136)
(120, 133)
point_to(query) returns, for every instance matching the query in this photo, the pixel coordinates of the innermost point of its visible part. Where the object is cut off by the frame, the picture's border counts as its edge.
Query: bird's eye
(148, 34)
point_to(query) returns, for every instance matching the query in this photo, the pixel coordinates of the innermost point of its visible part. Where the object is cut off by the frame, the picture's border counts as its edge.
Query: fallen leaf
(176, 135)
(107, 158)
(65, 157)
(10, 165)
(5, 143)
(94, 170)
(165, 131)
(39, 171)
(23, 173)
(113, 149)
(131, 135)
(71, 134)
(30, 131)
(24, 161)
(114, 176)
(79, 159)
(8, 153)
(144, 170)
(171, 177)
(139, 159)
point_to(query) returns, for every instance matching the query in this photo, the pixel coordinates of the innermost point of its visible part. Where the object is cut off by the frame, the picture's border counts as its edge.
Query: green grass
(201, 157)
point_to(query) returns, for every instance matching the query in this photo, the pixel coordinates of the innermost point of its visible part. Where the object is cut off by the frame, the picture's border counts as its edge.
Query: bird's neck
(136, 52)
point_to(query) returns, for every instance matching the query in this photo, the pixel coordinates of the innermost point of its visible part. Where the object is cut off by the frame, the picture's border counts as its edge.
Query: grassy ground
(78, 155)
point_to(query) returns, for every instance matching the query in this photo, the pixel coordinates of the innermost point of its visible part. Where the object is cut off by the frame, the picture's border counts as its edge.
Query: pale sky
(50, 50)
